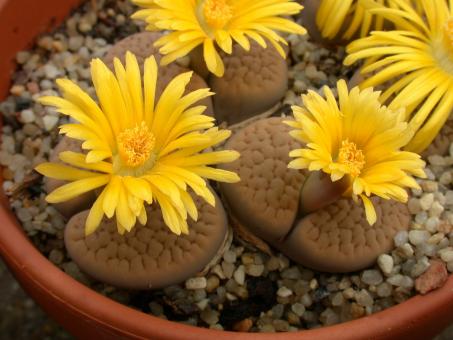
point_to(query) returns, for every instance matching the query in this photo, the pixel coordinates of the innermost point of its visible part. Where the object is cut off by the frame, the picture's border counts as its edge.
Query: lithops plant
(251, 54)
(266, 199)
(150, 256)
(348, 151)
(140, 150)
(142, 46)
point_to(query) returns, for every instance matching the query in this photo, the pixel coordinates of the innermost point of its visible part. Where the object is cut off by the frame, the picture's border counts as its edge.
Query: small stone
(51, 71)
(371, 277)
(406, 250)
(385, 263)
(277, 311)
(417, 237)
(273, 264)
(364, 298)
(338, 299)
(228, 269)
(445, 178)
(229, 256)
(449, 197)
(255, 270)
(432, 224)
(329, 317)
(436, 209)
(284, 292)
(414, 205)
(210, 316)
(75, 43)
(384, 289)
(212, 283)
(56, 256)
(429, 186)
(357, 311)
(50, 122)
(292, 273)
(203, 304)
(401, 238)
(27, 116)
(434, 277)
(426, 201)
(436, 160)
(436, 238)
(239, 275)
(450, 266)
(446, 254)
(281, 325)
(420, 267)
(298, 309)
(306, 300)
(243, 325)
(17, 90)
(22, 57)
(196, 283)
(401, 281)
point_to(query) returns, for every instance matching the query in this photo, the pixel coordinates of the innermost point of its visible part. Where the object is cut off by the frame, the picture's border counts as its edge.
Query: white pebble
(254, 269)
(401, 238)
(27, 116)
(401, 281)
(49, 122)
(445, 178)
(385, 263)
(449, 197)
(446, 254)
(284, 292)
(426, 201)
(196, 283)
(436, 160)
(406, 250)
(364, 298)
(436, 209)
(371, 277)
(51, 71)
(417, 237)
(239, 275)
(229, 256)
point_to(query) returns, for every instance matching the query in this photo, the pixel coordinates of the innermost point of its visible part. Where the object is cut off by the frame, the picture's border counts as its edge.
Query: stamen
(217, 13)
(352, 157)
(135, 145)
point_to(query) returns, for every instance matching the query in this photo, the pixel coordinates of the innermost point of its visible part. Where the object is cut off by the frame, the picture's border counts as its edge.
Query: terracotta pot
(89, 315)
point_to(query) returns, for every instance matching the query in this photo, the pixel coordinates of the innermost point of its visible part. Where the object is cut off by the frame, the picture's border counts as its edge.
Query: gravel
(247, 290)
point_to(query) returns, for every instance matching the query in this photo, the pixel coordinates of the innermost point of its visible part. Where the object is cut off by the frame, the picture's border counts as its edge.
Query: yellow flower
(358, 138)
(205, 22)
(139, 151)
(332, 14)
(418, 59)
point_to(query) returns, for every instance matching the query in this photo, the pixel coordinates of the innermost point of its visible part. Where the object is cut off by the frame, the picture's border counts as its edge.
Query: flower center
(217, 13)
(135, 145)
(352, 157)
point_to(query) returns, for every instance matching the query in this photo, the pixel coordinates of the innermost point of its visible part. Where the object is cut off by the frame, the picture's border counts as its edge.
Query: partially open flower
(360, 139)
(141, 150)
(417, 58)
(205, 22)
(346, 18)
